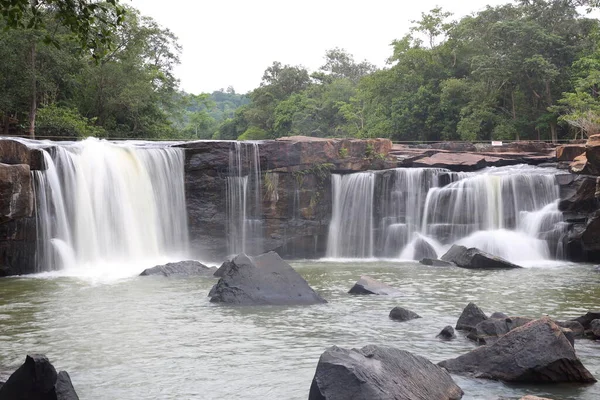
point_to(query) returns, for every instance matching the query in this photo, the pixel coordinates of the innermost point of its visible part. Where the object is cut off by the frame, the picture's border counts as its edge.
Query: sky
(231, 42)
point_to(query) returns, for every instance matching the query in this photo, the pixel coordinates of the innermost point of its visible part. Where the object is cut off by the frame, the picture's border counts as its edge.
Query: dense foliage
(525, 70)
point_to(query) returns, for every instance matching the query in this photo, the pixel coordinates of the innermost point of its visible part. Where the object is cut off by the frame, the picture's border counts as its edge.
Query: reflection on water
(158, 338)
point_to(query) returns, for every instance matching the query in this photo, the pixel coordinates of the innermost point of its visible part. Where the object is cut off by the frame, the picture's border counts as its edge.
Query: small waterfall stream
(511, 212)
(100, 203)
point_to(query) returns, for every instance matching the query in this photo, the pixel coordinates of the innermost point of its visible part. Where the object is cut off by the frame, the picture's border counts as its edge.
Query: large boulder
(474, 258)
(537, 352)
(368, 285)
(575, 327)
(595, 328)
(587, 319)
(262, 280)
(490, 330)
(592, 152)
(434, 262)
(181, 268)
(379, 373)
(402, 314)
(423, 250)
(568, 152)
(37, 379)
(470, 317)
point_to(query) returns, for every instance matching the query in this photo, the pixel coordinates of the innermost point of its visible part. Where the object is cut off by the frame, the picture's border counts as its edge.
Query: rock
(592, 152)
(368, 285)
(35, 379)
(16, 192)
(586, 320)
(379, 373)
(498, 315)
(64, 387)
(490, 330)
(436, 262)
(568, 152)
(447, 333)
(402, 314)
(530, 397)
(265, 279)
(470, 317)
(569, 335)
(576, 327)
(537, 352)
(181, 268)
(453, 161)
(579, 195)
(580, 165)
(14, 152)
(595, 328)
(223, 268)
(475, 259)
(423, 250)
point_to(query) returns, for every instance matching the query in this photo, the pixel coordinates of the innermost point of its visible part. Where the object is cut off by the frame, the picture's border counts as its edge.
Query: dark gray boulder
(490, 330)
(368, 285)
(434, 262)
(587, 319)
(223, 269)
(402, 314)
(181, 268)
(537, 352)
(64, 387)
(577, 329)
(379, 373)
(498, 315)
(423, 250)
(470, 317)
(595, 328)
(474, 258)
(37, 379)
(262, 280)
(447, 333)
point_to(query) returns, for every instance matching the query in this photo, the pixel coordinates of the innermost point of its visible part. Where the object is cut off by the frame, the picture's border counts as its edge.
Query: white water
(511, 212)
(104, 208)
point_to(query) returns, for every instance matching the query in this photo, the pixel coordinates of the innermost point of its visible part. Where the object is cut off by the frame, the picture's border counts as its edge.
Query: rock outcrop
(181, 268)
(470, 317)
(379, 373)
(367, 285)
(475, 259)
(402, 314)
(537, 352)
(262, 280)
(37, 379)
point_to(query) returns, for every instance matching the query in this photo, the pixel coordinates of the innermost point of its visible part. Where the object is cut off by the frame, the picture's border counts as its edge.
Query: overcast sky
(232, 42)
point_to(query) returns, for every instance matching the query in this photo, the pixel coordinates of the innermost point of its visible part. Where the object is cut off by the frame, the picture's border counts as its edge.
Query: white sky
(232, 42)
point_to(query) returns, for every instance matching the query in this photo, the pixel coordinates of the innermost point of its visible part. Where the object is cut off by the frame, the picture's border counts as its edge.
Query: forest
(529, 69)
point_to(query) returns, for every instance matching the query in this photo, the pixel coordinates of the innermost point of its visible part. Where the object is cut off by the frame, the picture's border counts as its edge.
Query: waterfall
(99, 203)
(511, 212)
(244, 199)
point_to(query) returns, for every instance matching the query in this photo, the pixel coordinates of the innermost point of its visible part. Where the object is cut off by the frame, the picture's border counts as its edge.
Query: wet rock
(14, 152)
(474, 258)
(16, 192)
(470, 317)
(595, 328)
(423, 250)
(537, 352)
(223, 268)
(368, 285)
(265, 279)
(402, 314)
(37, 379)
(499, 315)
(434, 262)
(569, 335)
(453, 161)
(579, 194)
(379, 373)
(490, 330)
(447, 333)
(529, 397)
(586, 320)
(576, 327)
(181, 268)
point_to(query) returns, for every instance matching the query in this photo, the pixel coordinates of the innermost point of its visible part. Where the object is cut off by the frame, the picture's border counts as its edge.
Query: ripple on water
(155, 338)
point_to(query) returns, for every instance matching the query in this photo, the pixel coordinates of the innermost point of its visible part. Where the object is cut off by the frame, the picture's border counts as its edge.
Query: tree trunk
(514, 114)
(553, 131)
(33, 105)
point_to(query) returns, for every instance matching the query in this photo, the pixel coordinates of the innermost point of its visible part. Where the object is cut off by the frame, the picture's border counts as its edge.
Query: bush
(253, 133)
(64, 121)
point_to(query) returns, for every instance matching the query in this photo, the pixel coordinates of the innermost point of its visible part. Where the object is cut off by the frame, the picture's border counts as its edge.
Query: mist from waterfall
(511, 212)
(102, 205)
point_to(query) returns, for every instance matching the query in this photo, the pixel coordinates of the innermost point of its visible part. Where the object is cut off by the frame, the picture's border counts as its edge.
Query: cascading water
(244, 199)
(100, 203)
(511, 212)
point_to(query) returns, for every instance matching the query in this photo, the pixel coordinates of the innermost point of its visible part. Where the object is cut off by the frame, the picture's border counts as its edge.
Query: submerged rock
(586, 320)
(434, 262)
(402, 314)
(368, 285)
(37, 379)
(379, 373)
(537, 352)
(262, 280)
(423, 250)
(447, 333)
(181, 268)
(474, 258)
(470, 317)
